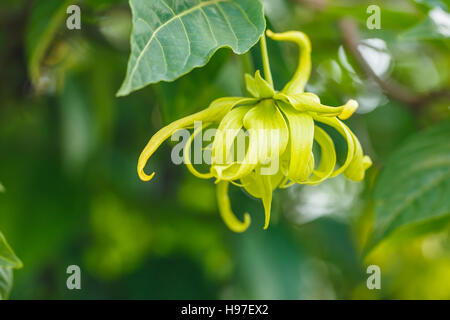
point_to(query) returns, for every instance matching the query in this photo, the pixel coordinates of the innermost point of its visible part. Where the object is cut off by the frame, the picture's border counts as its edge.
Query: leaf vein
(153, 36)
(245, 14)
(209, 25)
(185, 32)
(228, 22)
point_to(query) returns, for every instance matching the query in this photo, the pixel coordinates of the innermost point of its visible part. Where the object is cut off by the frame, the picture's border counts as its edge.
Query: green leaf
(432, 3)
(45, 20)
(8, 261)
(435, 26)
(412, 190)
(170, 38)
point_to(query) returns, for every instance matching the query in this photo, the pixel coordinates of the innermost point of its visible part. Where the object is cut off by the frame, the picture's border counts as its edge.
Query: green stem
(265, 60)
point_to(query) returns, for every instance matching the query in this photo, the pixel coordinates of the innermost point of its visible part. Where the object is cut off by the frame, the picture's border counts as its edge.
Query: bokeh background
(69, 149)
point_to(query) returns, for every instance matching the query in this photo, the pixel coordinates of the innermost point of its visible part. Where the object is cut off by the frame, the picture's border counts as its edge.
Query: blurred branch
(351, 39)
(315, 4)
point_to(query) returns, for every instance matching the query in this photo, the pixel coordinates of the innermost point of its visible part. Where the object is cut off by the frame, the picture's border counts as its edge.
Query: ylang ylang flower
(280, 126)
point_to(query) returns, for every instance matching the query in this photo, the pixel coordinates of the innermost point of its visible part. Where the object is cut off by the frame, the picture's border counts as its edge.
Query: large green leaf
(8, 261)
(413, 189)
(170, 37)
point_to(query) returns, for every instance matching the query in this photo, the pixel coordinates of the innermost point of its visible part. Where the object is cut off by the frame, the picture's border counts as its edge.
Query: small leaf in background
(46, 17)
(413, 187)
(77, 137)
(432, 3)
(8, 261)
(169, 39)
(115, 25)
(2, 188)
(435, 26)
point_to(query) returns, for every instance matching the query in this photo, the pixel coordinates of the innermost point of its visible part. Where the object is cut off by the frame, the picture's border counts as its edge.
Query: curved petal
(268, 130)
(346, 133)
(357, 168)
(227, 132)
(223, 159)
(301, 76)
(268, 138)
(301, 136)
(217, 109)
(310, 102)
(327, 157)
(187, 152)
(348, 109)
(225, 210)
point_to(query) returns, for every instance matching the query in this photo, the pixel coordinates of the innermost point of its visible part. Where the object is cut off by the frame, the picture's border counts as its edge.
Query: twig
(351, 39)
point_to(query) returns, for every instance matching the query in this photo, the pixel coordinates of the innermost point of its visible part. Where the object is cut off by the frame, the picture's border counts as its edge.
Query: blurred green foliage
(69, 148)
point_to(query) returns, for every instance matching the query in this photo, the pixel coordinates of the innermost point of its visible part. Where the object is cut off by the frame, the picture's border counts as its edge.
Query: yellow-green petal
(187, 159)
(348, 109)
(342, 129)
(226, 134)
(268, 131)
(327, 157)
(217, 109)
(301, 76)
(225, 210)
(301, 136)
(357, 167)
(258, 87)
(267, 199)
(310, 102)
(252, 183)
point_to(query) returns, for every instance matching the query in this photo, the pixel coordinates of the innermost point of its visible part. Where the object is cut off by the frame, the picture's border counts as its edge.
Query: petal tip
(145, 177)
(349, 108)
(367, 162)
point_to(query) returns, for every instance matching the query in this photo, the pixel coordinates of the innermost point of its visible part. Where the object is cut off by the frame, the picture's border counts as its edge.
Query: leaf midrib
(175, 17)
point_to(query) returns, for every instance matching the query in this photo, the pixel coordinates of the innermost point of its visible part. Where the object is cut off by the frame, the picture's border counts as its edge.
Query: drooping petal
(252, 183)
(268, 131)
(267, 199)
(267, 140)
(261, 187)
(186, 155)
(223, 158)
(225, 210)
(213, 113)
(227, 132)
(301, 136)
(342, 129)
(301, 76)
(327, 157)
(359, 164)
